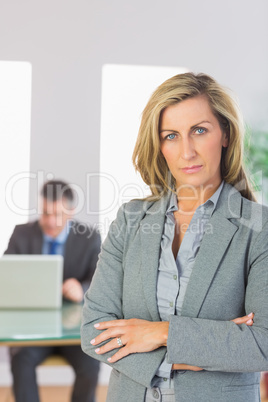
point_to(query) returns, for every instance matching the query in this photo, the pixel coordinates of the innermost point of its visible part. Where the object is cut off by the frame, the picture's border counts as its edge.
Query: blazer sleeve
(103, 302)
(224, 345)
(25, 239)
(88, 250)
(13, 247)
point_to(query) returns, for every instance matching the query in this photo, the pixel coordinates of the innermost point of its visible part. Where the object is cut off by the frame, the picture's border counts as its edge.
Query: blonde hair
(147, 157)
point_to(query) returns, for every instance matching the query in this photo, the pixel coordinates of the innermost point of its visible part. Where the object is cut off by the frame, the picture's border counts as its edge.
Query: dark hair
(54, 190)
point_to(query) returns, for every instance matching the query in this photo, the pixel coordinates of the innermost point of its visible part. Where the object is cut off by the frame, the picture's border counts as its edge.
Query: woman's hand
(137, 336)
(185, 367)
(247, 319)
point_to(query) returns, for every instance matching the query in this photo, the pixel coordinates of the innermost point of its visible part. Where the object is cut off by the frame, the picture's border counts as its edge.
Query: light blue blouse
(174, 275)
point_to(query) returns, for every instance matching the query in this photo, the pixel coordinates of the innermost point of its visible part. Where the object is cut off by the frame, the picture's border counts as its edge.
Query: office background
(67, 43)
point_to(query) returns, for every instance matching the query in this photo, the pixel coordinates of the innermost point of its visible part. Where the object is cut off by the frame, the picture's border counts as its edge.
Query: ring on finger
(119, 342)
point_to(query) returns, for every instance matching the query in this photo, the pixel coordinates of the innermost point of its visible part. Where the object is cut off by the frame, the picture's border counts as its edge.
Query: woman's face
(191, 142)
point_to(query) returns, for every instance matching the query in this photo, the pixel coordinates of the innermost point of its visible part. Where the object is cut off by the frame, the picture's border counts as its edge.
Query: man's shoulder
(28, 227)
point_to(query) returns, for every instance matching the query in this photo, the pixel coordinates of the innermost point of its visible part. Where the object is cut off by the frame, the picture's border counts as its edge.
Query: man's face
(54, 216)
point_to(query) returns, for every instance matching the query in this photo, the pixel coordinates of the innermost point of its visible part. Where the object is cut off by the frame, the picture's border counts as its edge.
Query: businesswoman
(177, 269)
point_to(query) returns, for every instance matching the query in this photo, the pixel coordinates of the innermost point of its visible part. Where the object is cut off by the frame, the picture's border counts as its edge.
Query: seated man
(56, 233)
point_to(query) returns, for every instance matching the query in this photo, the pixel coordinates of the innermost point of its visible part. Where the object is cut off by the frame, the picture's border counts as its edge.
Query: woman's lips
(192, 169)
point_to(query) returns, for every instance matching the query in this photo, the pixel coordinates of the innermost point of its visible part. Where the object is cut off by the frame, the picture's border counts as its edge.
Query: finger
(67, 287)
(123, 352)
(106, 335)
(71, 285)
(188, 367)
(110, 324)
(73, 294)
(247, 319)
(182, 366)
(113, 344)
(241, 320)
(70, 290)
(67, 281)
(72, 297)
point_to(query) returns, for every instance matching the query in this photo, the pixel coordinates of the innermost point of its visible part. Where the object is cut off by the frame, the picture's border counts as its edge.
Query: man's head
(57, 207)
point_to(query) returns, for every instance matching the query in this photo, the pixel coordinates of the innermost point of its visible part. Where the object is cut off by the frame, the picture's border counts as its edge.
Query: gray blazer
(229, 279)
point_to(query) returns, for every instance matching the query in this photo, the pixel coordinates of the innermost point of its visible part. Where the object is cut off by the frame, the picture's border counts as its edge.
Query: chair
(53, 360)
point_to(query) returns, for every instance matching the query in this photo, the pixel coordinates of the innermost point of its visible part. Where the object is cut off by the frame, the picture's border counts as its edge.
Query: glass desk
(41, 327)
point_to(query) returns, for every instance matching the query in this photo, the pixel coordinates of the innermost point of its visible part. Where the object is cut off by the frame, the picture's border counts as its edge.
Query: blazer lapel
(212, 250)
(151, 229)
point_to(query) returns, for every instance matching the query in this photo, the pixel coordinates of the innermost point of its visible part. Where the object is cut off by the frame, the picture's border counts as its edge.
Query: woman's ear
(225, 140)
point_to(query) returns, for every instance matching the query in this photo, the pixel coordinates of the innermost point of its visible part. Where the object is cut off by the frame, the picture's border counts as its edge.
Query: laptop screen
(31, 281)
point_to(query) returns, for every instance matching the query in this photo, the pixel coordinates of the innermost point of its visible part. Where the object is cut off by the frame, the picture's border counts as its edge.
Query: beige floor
(52, 394)
(61, 394)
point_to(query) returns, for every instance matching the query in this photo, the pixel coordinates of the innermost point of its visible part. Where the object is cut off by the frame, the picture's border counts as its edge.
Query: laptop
(31, 281)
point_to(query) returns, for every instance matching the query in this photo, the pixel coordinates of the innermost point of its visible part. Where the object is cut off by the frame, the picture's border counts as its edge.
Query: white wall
(67, 42)
(15, 112)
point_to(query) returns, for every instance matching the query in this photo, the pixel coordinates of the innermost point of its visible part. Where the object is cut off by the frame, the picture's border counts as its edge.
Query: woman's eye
(200, 130)
(170, 136)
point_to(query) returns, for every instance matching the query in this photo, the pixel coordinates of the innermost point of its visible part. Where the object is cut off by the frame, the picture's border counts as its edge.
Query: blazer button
(156, 394)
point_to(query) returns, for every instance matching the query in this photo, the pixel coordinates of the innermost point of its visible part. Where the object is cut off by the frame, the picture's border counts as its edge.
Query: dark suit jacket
(81, 249)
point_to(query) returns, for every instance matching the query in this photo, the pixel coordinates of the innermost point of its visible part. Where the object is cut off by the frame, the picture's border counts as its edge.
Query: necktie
(52, 247)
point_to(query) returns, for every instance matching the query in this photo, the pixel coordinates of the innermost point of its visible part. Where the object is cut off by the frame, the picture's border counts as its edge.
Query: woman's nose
(187, 149)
